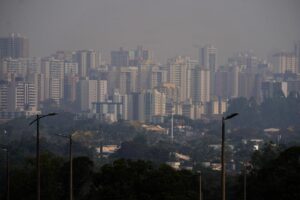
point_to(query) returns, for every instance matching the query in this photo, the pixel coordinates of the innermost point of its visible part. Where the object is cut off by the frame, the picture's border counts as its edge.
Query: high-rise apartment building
(179, 74)
(18, 95)
(144, 105)
(247, 59)
(128, 77)
(70, 87)
(14, 46)
(53, 71)
(222, 83)
(86, 59)
(271, 89)
(3, 96)
(249, 85)
(284, 62)
(119, 58)
(16, 67)
(171, 92)
(125, 58)
(297, 54)
(208, 57)
(208, 60)
(33, 65)
(158, 107)
(89, 92)
(200, 85)
(157, 77)
(71, 68)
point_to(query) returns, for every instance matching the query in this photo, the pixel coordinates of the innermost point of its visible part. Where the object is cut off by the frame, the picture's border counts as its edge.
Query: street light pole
(200, 185)
(38, 167)
(5, 148)
(245, 182)
(71, 167)
(223, 169)
(70, 160)
(223, 180)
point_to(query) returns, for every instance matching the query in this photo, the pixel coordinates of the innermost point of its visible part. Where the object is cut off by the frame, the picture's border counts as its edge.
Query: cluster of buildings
(134, 87)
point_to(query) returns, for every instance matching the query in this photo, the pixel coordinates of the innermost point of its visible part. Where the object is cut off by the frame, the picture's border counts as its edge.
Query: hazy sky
(168, 27)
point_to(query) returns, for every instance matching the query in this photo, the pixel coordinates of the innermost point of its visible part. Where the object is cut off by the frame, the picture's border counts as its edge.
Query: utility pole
(200, 185)
(223, 181)
(71, 167)
(245, 181)
(223, 169)
(69, 137)
(5, 148)
(38, 167)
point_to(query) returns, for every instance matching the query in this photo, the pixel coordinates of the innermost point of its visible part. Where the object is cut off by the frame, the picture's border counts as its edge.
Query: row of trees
(274, 175)
(278, 112)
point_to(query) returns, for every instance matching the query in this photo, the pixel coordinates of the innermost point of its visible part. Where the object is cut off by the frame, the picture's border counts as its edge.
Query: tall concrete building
(71, 68)
(227, 82)
(208, 60)
(233, 82)
(18, 95)
(4, 96)
(271, 89)
(70, 87)
(157, 77)
(125, 58)
(208, 57)
(39, 80)
(128, 79)
(89, 92)
(222, 84)
(150, 76)
(144, 76)
(119, 58)
(86, 59)
(297, 54)
(144, 105)
(247, 59)
(136, 106)
(201, 85)
(179, 74)
(53, 70)
(14, 46)
(250, 85)
(284, 62)
(17, 67)
(158, 107)
(33, 65)
(171, 92)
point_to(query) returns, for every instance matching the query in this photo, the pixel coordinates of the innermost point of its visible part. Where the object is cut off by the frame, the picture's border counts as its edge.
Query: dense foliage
(277, 112)
(274, 175)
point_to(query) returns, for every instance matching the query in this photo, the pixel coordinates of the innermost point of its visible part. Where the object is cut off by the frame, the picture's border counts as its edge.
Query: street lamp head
(231, 116)
(3, 147)
(51, 114)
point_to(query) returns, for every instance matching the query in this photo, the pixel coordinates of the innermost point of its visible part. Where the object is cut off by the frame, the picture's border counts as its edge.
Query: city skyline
(169, 28)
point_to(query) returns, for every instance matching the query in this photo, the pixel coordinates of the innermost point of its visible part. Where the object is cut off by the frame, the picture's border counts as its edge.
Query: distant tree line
(277, 112)
(273, 174)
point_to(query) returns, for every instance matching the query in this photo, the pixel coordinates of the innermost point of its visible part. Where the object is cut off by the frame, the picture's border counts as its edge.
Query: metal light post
(245, 181)
(223, 169)
(247, 166)
(200, 185)
(70, 160)
(5, 148)
(38, 172)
